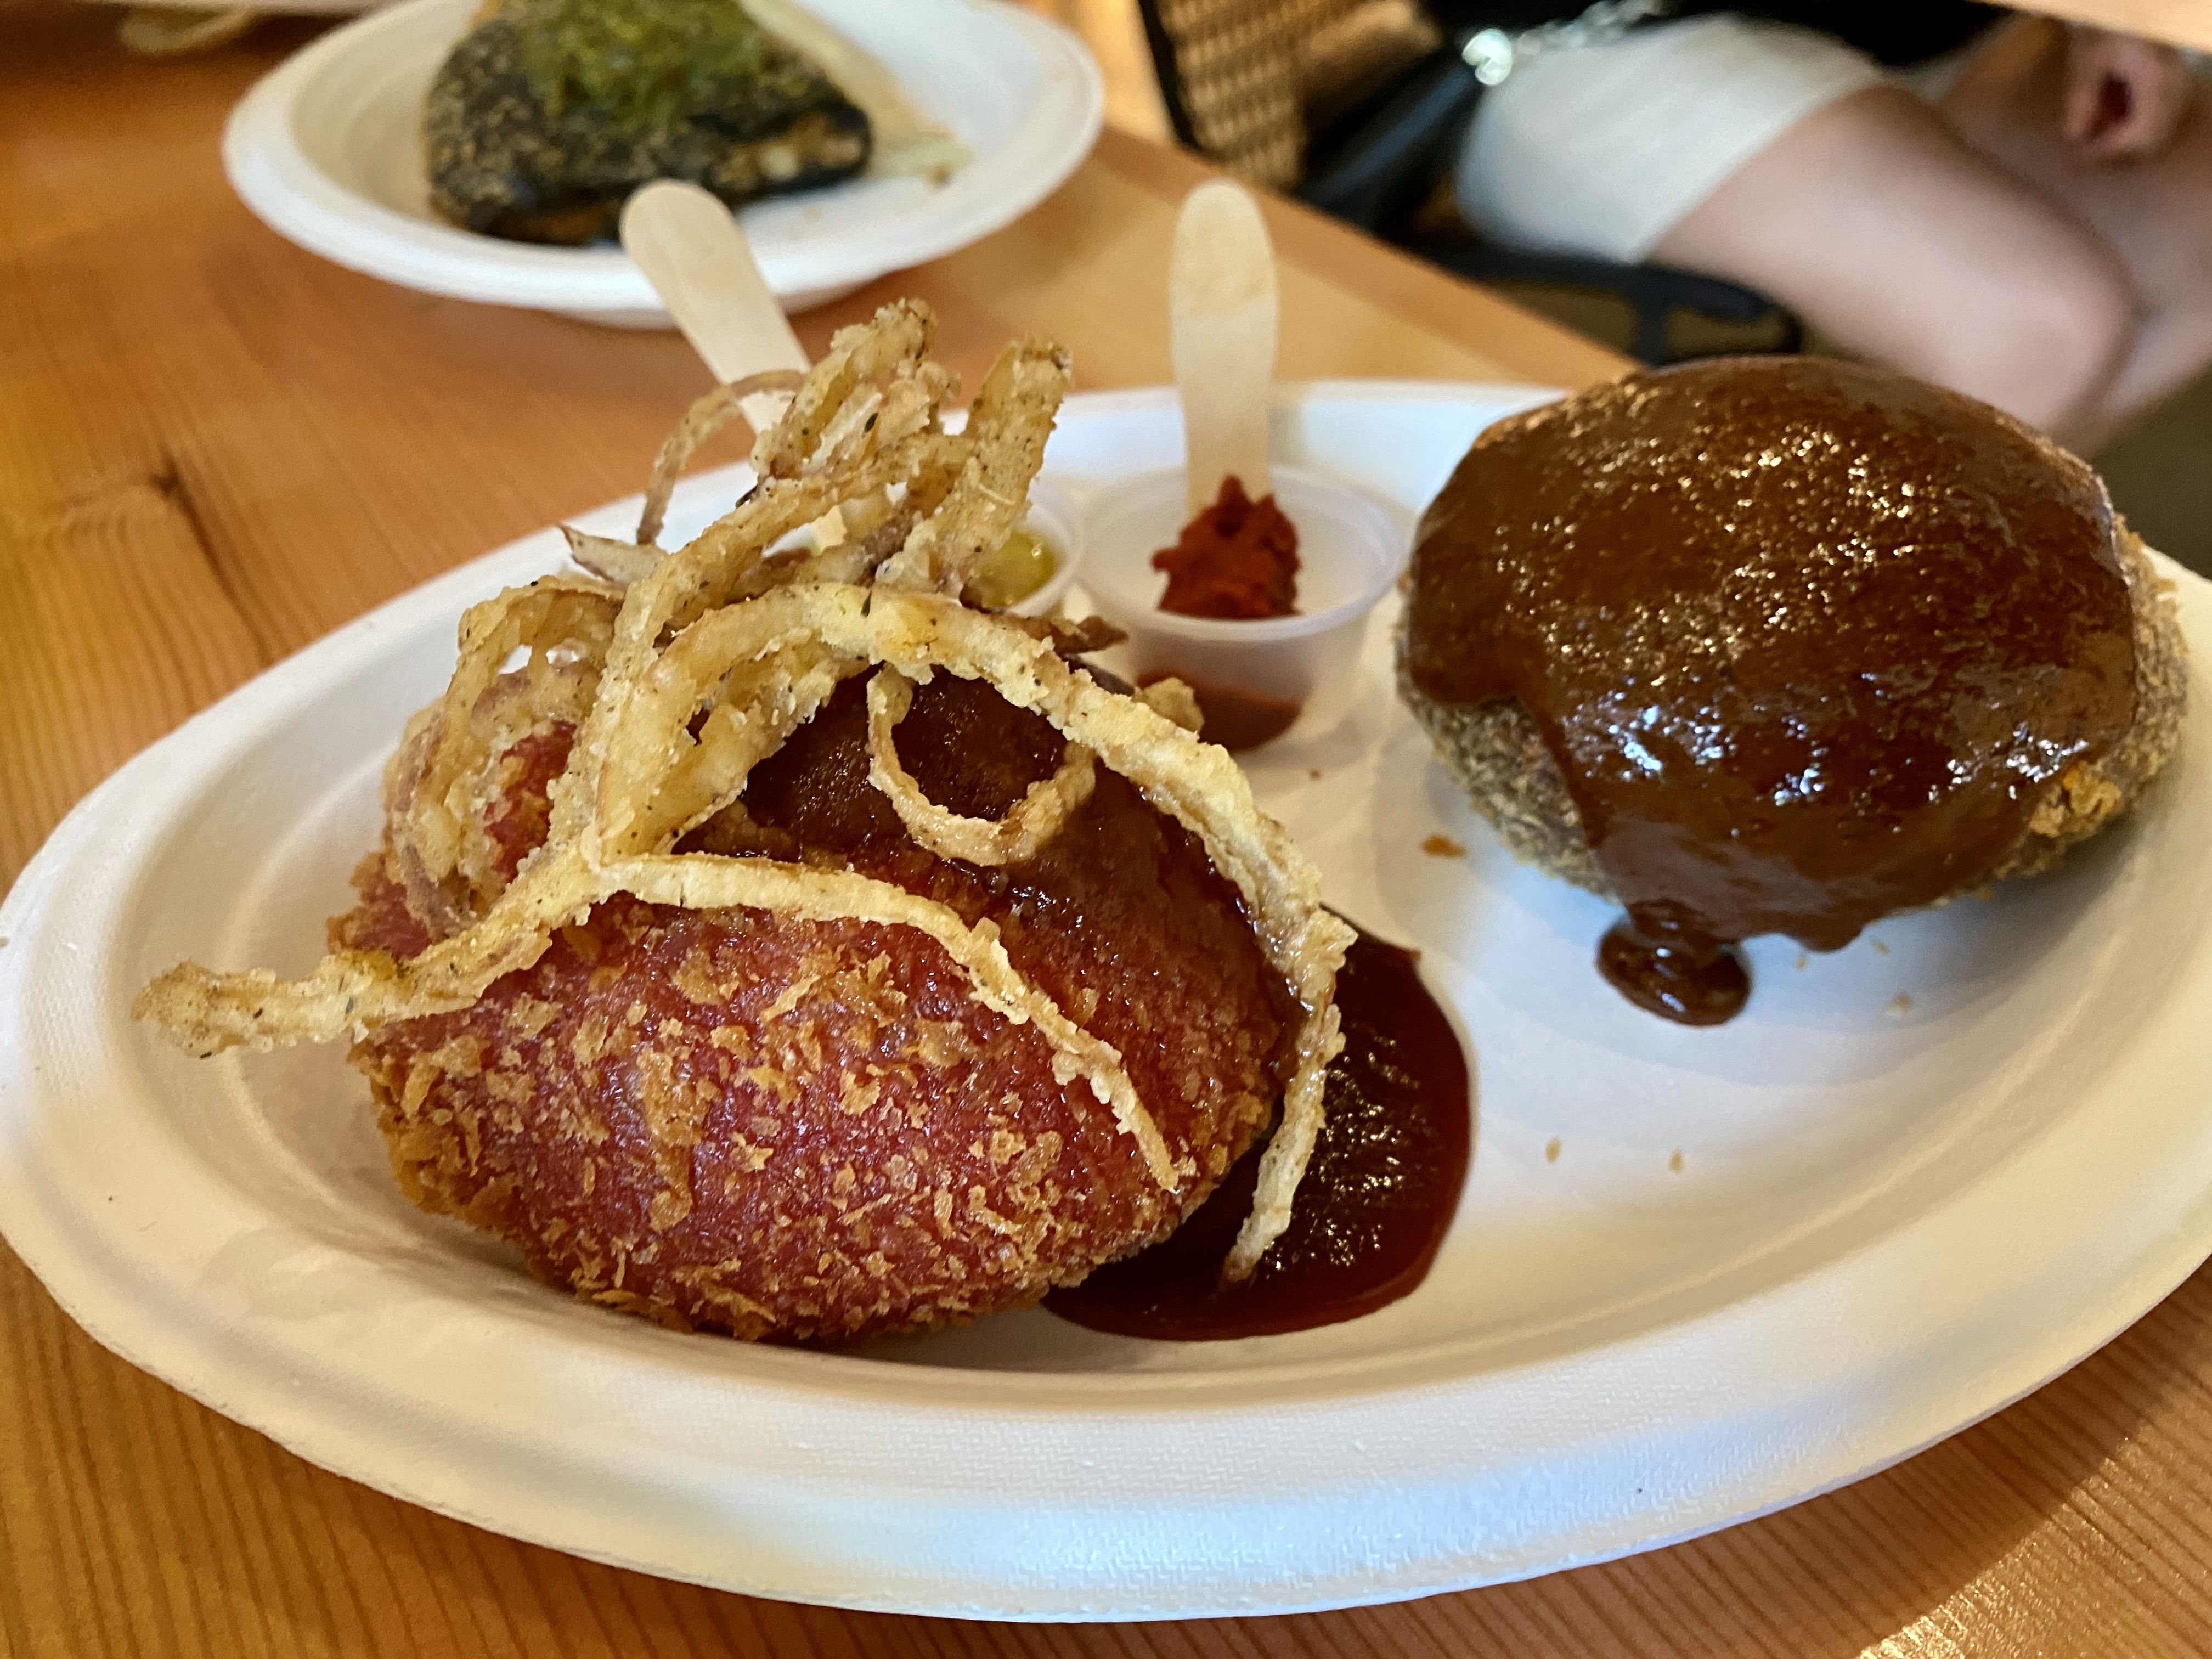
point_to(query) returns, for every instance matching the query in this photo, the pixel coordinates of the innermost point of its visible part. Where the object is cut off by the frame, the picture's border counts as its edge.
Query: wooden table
(2178, 22)
(214, 449)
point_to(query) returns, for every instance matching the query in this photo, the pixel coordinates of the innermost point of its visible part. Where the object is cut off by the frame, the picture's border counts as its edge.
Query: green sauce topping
(640, 63)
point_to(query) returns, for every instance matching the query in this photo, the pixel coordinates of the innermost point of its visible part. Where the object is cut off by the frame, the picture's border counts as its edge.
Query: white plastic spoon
(1222, 323)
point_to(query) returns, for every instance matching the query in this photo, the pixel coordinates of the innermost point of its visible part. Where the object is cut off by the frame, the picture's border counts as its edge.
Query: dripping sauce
(1689, 981)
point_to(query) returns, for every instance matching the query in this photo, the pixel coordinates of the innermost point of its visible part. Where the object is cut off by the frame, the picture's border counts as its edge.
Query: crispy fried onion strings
(565, 623)
(1016, 838)
(1006, 448)
(708, 662)
(623, 562)
(707, 416)
(861, 366)
(619, 562)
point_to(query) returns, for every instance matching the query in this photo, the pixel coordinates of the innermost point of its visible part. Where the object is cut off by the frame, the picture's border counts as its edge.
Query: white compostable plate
(327, 151)
(274, 8)
(1916, 1179)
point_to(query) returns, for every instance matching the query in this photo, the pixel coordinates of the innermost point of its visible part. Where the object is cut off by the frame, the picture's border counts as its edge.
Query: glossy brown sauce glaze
(1692, 984)
(1807, 640)
(1374, 1206)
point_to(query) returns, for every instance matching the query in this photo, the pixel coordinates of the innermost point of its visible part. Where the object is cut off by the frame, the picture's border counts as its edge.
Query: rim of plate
(285, 189)
(1435, 1479)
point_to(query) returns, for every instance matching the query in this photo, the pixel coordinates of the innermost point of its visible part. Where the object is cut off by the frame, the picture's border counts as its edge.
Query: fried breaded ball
(792, 1130)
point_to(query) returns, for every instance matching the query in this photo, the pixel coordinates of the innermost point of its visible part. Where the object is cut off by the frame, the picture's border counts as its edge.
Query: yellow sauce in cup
(1014, 569)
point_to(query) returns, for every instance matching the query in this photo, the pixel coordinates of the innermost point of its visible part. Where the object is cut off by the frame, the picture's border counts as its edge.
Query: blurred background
(2159, 466)
(2017, 208)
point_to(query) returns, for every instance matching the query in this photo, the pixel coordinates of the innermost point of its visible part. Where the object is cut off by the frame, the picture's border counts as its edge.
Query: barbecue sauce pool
(1376, 1200)
(1808, 641)
(1236, 718)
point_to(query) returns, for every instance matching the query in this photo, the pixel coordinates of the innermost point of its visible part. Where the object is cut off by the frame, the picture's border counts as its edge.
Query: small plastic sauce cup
(1052, 518)
(1253, 675)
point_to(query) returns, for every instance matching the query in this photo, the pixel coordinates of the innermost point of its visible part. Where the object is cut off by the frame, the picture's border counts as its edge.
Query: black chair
(1382, 160)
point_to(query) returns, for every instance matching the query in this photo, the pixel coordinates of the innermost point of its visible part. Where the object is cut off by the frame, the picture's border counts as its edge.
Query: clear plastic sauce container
(1254, 677)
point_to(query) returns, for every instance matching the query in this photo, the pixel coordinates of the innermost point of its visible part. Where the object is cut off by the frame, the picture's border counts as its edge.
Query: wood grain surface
(2177, 22)
(214, 449)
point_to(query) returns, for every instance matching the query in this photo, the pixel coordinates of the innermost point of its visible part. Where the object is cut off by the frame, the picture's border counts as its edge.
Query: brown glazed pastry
(1783, 644)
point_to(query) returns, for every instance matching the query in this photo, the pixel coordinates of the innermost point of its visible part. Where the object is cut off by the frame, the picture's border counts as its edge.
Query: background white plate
(1891, 1218)
(279, 8)
(326, 150)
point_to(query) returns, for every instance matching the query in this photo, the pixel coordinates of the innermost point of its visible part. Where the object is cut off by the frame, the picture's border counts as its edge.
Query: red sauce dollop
(1238, 559)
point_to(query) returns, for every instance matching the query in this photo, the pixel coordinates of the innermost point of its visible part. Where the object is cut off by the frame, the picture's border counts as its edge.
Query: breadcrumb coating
(791, 1130)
